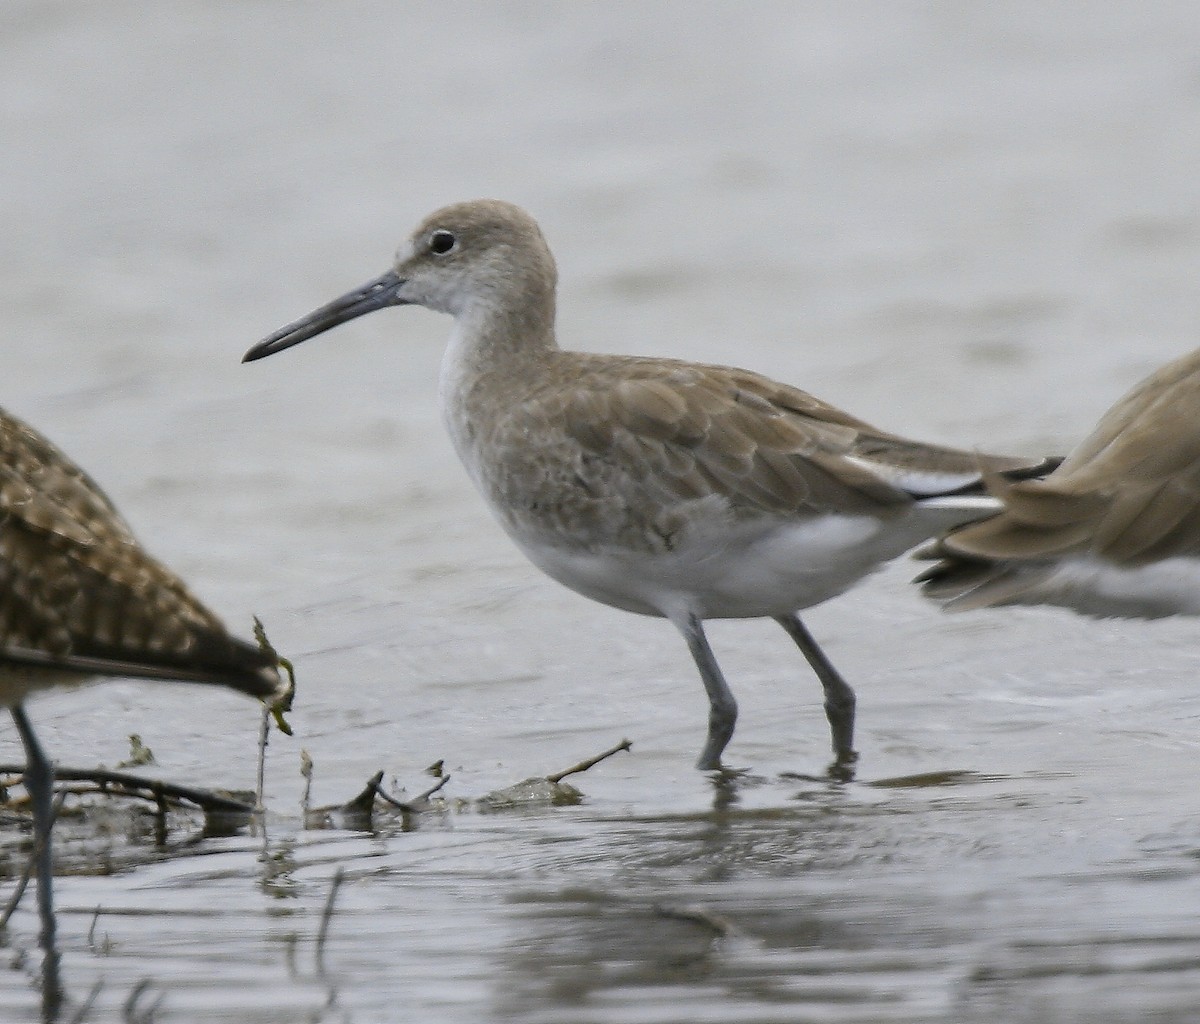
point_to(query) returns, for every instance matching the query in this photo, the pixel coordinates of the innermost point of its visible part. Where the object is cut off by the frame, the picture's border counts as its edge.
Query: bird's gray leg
(39, 783)
(722, 708)
(839, 698)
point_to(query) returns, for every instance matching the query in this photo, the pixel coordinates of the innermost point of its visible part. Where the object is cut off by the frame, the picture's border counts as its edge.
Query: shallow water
(972, 225)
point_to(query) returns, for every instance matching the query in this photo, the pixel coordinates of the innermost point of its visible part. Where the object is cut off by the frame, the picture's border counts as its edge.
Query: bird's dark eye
(441, 242)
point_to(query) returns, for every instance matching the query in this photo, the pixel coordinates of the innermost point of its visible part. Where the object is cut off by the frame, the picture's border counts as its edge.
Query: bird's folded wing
(765, 446)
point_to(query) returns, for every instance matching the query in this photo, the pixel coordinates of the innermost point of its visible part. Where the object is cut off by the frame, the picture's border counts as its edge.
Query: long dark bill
(371, 296)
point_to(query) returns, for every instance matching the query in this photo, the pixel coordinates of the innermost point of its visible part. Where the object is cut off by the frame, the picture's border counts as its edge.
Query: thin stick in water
(326, 917)
(27, 871)
(583, 766)
(418, 803)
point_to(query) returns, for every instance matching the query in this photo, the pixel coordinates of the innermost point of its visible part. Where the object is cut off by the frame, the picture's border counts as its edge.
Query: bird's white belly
(753, 569)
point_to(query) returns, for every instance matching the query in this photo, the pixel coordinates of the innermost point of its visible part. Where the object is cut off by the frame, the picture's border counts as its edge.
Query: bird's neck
(496, 354)
(497, 344)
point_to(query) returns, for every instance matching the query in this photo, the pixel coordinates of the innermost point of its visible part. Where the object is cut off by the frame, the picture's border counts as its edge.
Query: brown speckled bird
(80, 598)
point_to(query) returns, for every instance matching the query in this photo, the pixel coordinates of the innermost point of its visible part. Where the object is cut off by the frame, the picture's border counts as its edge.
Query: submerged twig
(306, 771)
(418, 803)
(718, 925)
(326, 917)
(583, 766)
(149, 789)
(27, 871)
(275, 710)
(282, 704)
(359, 812)
(86, 1006)
(264, 730)
(355, 813)
(133, 1014)
(545, 790)
(106, 946)
(364, 803)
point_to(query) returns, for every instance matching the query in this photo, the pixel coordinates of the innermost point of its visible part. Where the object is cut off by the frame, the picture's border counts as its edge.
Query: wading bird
(81, 599)
(658, 486)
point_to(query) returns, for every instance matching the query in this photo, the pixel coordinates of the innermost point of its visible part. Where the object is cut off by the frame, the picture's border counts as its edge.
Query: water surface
(975, 225)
